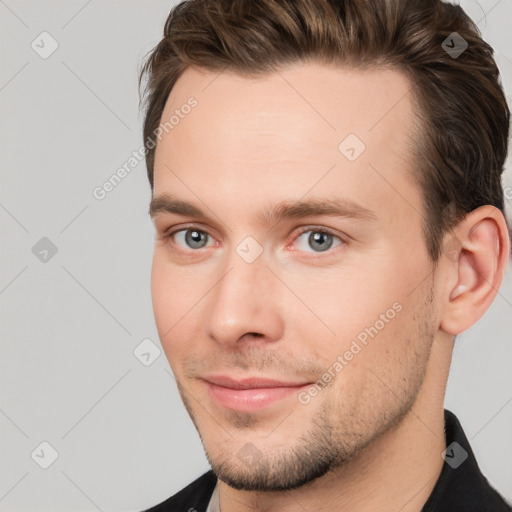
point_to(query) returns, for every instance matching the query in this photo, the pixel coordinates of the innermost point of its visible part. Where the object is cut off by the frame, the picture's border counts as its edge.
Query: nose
(244, 306)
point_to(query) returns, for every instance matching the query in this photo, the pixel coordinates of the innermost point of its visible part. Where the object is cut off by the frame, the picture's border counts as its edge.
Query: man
(329, 216)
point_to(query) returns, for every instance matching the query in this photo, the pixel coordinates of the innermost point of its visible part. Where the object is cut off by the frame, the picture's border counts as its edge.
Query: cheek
(377, 377)
(363, 315)
(162, 297)
(172, 303)
(341, 301)
(174, 289)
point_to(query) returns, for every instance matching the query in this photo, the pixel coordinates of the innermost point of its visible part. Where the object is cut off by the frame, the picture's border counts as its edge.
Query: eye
(190, 238)
(320, 240)
(310, 239)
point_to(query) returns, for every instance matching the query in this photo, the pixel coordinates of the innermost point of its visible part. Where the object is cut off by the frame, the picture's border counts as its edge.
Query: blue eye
(311, 239)
(192, 238)
(319, 240)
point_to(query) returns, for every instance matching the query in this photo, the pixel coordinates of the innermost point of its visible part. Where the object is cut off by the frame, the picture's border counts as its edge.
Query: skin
(372, 438)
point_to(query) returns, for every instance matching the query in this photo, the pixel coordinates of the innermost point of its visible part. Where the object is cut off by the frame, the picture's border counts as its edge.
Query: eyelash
(168, 235)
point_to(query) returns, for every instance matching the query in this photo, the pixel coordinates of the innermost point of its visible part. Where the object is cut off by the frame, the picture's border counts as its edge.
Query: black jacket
(463, 489)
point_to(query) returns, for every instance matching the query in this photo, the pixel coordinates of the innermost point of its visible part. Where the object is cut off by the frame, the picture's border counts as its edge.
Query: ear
(475, 258)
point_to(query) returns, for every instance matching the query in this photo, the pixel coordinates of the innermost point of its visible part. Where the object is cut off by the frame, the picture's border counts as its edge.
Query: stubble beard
(337, 433)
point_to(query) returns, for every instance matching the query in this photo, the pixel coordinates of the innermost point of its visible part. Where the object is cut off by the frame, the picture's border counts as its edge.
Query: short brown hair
(462, 107)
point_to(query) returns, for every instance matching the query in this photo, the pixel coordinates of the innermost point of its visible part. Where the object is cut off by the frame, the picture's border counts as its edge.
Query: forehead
(332, 98)
(280, 133)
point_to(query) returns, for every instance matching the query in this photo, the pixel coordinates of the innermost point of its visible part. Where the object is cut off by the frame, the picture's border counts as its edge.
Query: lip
(250, 394)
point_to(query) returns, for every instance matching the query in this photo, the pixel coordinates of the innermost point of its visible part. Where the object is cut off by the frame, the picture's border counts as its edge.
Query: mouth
(250, 394)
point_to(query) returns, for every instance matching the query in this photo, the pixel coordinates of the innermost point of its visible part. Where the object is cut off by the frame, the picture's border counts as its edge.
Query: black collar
(461, 486)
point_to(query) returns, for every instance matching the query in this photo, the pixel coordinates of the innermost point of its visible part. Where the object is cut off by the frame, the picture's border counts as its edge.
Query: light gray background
(69, 326)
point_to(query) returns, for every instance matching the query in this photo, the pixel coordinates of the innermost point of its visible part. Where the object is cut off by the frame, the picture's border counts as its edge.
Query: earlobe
(478, 266)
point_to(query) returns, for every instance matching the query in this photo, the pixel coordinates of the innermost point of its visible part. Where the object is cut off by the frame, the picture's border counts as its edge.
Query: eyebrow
(284, 210)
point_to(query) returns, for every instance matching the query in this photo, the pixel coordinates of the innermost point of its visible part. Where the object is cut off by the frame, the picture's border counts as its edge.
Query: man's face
(301, 297)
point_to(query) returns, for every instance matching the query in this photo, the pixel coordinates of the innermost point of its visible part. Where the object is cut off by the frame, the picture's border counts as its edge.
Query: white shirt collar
(213, 505)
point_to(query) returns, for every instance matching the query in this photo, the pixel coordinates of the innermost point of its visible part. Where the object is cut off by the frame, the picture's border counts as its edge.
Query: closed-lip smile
(251, 393)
